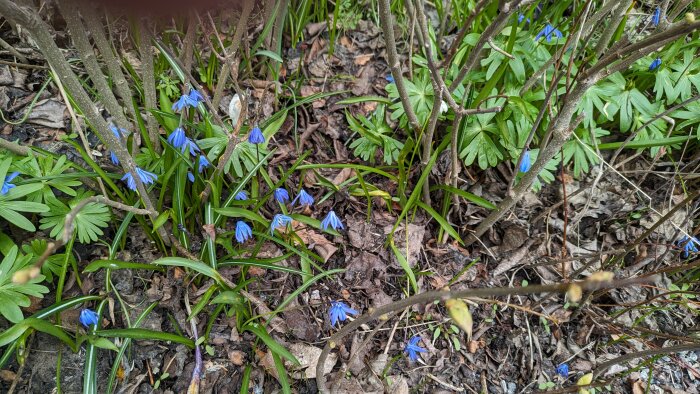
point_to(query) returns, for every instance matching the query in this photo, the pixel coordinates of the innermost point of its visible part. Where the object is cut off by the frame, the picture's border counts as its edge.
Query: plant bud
(459, 312)
(574, 293)
(21, 277)
(690, 17)
(234, 109)
(601, 276)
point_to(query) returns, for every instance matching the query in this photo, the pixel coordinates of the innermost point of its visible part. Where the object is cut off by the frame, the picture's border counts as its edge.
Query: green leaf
(120, 265)
(480, 201)
(443, 223)
(196, 266)
(269, 54)
(15, 295)
(15, 331)
(144, 334)
(275, 347)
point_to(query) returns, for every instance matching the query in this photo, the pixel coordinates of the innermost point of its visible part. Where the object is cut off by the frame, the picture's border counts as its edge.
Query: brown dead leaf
(256, 271)
(308, 356)
(210, 230)
(343, 176)
(638, 387)
(361, 60)
(307, 91)
(320, 244)
(237, 357)
(345, 41)
(7, 375)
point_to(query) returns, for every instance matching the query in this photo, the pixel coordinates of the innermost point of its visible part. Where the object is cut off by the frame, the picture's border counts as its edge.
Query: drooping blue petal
(256, 136)
(203, 163)
(412, 348)
(146, 177)
(194, 98)
(190, 176)
(390, 78)
(243, 232)
(177, 137)
(525, 164)
(241, 196)
(180, 103)
(88, 317)
(689, 245)
(304, 198)
(189, 144)
(656, 63)
(113, 157)
(656, 18)
(118, 132)
(339, 312)
(281, 195)
(547, 33)
(279, 220)
(563, 370)
(331, 220)
(6, 185)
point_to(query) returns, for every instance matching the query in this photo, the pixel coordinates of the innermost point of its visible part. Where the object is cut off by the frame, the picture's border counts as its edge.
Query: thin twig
(385, 19)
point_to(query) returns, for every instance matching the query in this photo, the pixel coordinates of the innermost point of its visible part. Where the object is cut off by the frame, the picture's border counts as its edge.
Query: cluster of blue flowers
(6, 185)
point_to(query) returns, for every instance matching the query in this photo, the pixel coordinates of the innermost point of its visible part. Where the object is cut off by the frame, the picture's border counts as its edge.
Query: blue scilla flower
(113, 157)
(304, 198)
(390, 78)
(526, 163)
(177, 137)
(547, 33)
(181, 103)
(241, 196)
(412, 348)
(656, 63)
(689, 244)
(88, 317)
(279, 220)
(146, 177)
(118, 132)
(195, 98)
(256, 136)
(331, 220)
(656, 18)
(563, 370)
(243, 232)
(203, 163)
(188, 100)
(6, 185)
(190, 176)
(521, 17)
(339, 312)
(189, 144)
(281, 195)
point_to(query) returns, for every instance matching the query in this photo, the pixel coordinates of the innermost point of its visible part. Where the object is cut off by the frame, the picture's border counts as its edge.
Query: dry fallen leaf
(308, 356)
(320, 244)
(361, 60)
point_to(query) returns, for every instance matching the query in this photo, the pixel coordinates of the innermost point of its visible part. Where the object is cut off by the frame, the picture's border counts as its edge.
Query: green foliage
(16, 295)
(11, 205)
(375, 134)
(53, 264)
(88, 223)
